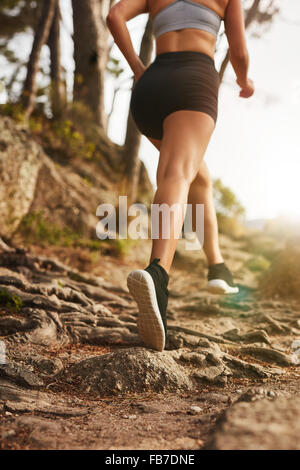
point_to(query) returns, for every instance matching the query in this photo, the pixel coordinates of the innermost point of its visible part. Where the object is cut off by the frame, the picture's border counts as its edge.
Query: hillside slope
(66, 193)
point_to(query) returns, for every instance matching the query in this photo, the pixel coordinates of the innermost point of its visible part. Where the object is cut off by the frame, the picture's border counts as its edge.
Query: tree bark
(91, 54)
(40, 38)
(58, 95)
(133, 135)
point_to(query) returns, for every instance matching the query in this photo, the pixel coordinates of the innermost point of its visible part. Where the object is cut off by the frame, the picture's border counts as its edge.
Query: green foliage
(9, 55)
(11, 4)
(226, 201)
(263, 245)
(74, 135)
(282, 280)
(258, 263)
(14, 111)
(122, 246)
(113, 67)
(74, 141)
(229, 210)
(35, 229)
(61, 136)
(230, 226)
(11, 301)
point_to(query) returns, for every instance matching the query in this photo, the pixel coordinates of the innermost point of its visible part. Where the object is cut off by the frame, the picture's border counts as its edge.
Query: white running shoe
(148, 287)
(220, 280)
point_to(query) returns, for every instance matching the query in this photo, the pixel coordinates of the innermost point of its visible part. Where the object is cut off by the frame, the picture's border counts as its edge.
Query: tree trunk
(91, 54)
(133, 135)
(58, 95)
(40, 38)
(249, 18)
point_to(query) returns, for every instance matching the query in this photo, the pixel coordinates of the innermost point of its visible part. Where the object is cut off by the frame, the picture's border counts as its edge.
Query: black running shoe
(220, 280)
(149, 289)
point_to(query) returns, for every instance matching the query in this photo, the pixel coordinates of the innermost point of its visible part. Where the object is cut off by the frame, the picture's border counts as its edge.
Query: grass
(258, 263)
(11, 301)
(230, 226)
(57, 133)
(259, 244)
(35, 229)
(73, 136)
(282, 279)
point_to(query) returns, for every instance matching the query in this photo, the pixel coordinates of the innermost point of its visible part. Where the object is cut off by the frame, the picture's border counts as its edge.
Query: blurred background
(68, 142)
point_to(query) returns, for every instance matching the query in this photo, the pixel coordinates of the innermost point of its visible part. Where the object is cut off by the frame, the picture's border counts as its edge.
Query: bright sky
(255, 148)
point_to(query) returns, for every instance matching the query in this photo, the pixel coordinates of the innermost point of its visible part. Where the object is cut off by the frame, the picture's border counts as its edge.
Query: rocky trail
(75, 375)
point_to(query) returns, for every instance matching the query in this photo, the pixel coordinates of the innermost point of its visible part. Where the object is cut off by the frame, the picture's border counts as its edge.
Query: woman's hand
(139, 70)
(247, 89)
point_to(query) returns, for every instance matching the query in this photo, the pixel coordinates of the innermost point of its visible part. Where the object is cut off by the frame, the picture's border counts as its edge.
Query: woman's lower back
(186, 40)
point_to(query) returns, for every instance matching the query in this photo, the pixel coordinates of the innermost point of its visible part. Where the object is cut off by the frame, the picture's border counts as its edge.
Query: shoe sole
(219, 286)
(150, 326)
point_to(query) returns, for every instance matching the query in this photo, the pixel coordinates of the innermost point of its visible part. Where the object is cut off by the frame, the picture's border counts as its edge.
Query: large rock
(130, 370)
(20, 162)
(261, 425)
(31, 182)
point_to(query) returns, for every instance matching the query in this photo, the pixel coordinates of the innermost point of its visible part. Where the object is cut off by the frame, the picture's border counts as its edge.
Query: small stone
(8, 413)
(204, 343)
(144, 408)
(21, 375)
(214, 397)
(205, 418)
(174, 342)
(46, 365)
(129, 416)
(195, 409)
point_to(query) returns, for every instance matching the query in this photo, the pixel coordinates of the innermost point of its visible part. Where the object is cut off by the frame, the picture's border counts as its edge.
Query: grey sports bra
(182, 14)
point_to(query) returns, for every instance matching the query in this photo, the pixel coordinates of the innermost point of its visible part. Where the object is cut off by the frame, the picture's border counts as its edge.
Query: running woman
(174, 103)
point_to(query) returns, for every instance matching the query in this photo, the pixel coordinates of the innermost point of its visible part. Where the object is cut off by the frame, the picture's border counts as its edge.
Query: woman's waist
(185, 56)
(187, 40)
(187, 59)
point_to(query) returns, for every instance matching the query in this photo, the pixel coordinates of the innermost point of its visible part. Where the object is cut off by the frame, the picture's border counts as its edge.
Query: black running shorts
(174, 81)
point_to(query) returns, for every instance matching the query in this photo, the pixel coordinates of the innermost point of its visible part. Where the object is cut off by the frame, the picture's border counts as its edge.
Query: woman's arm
(116, 19)
(238, 52)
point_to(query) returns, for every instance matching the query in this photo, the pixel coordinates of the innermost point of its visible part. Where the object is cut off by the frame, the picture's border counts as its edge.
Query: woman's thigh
(185, 139)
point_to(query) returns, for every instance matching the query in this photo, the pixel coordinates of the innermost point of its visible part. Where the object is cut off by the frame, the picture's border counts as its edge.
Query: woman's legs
(201, 192)
(185, 139)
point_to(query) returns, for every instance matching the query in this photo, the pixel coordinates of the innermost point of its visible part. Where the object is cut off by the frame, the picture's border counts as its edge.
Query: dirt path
(77, 376)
